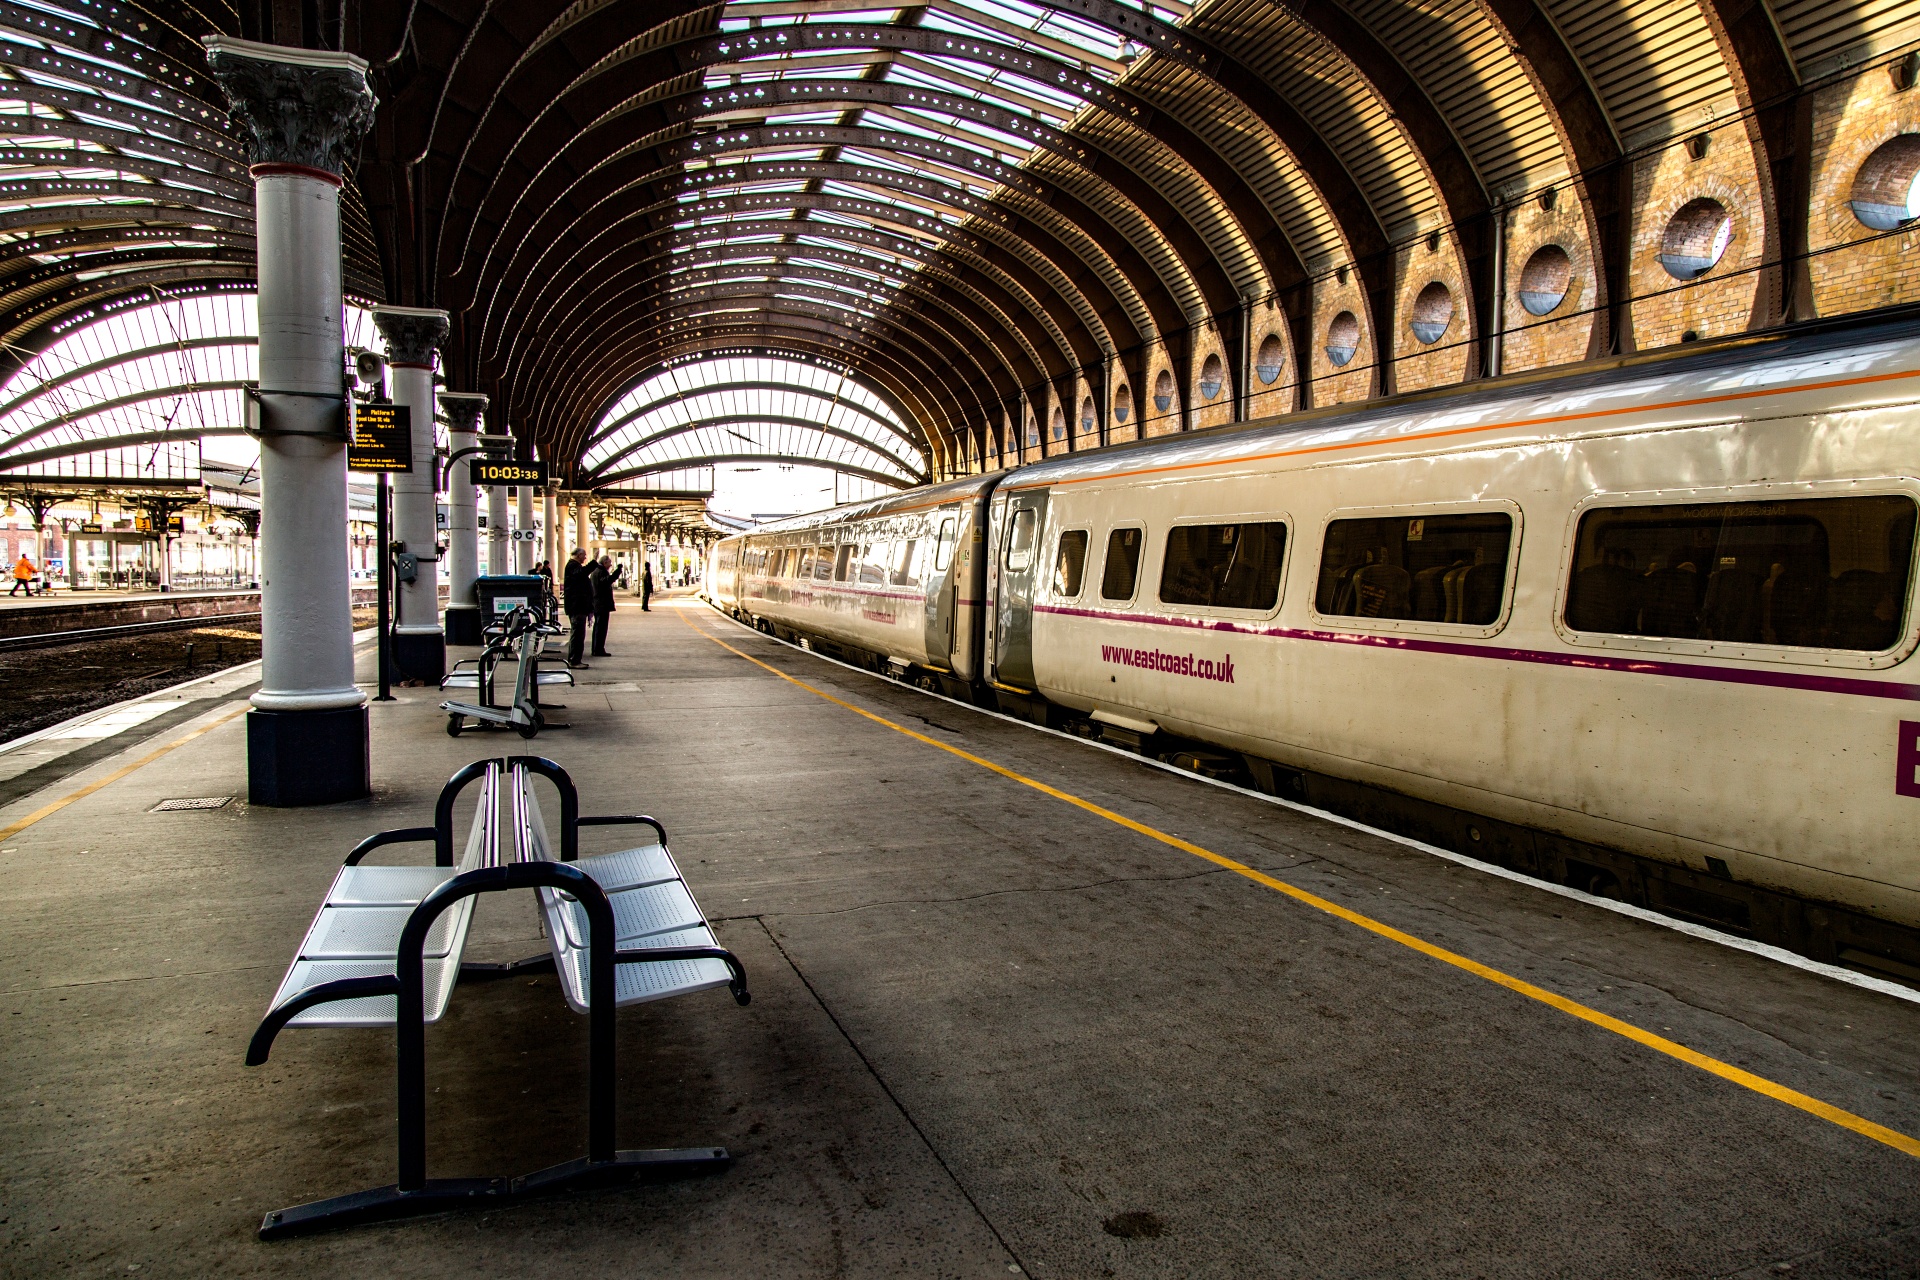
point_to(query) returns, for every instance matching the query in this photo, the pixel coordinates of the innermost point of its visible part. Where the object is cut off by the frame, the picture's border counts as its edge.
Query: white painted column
(464, 412)
(497, 543)
(304, 111)
(551, 514)
(582, 530)
(523, 549)
(413, 335)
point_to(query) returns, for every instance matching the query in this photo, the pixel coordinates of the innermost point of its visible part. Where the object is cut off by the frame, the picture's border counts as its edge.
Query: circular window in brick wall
(1432, 313)
(1697, 238)
(1886, 191)
(1086, 415)
(1033, 434)
(1343, 338)
(1545, 279)
(1163, 392)
(1059, 424)
(1269, 360)
(1210, 378)
(1123, 403)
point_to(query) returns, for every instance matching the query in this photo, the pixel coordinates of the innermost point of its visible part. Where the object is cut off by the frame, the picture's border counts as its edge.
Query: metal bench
(356, 932)
(408, 985)
(665, 945)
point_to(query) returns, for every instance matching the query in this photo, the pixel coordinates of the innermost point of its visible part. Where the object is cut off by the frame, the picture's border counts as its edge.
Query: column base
(307, 757)
(463, 624)
(419, 655)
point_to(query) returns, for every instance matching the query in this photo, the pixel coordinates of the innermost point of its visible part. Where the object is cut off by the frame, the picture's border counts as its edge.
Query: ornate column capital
(304, 110)
(463, 410)
(413, 334)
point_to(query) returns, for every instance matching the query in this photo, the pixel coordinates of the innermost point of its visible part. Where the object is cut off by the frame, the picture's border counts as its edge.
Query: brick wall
(1418, 364)
(1155, 420)
(1337, 384)
(1210, 411)
(1723, 300)
(1270, 398)
(1851, 120)
(1566, 333)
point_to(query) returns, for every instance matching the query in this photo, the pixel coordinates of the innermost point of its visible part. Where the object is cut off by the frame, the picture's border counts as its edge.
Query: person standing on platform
(545, 570)
(603, 584)
(23, 572)
(576, 591)
(646, 586)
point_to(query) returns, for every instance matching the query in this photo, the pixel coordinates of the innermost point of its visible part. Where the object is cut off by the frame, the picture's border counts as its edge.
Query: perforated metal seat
(356, 932)
(652, 909)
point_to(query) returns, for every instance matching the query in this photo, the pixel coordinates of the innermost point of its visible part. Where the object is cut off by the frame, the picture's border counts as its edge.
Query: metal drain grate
(190, 802)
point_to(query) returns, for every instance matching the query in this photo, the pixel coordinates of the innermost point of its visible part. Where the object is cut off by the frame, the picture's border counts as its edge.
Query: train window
(803, 563)
(943, 546)
(1020, 540)
(1072, 564)
(1223, 566)
(906, 565)
(1442, 568)
(841, 560)
(1825, 573)
(822, 564)
(873, 564)
(1123, 564)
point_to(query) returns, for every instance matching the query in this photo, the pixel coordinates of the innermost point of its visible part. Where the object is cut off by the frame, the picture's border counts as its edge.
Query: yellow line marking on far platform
(48, 810)
(1573, 1008)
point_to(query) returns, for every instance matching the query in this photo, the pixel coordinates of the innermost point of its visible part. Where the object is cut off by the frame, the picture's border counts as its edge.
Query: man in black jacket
(604, 582)
(576, 597)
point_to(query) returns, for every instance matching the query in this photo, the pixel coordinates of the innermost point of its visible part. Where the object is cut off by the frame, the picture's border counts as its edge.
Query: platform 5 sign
(512, 473)
(382, 438)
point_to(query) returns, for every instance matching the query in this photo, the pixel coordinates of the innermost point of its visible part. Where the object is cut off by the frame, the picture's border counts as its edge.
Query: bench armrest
(405, 835)
(383, 984)
(738, 984)
(621, 820)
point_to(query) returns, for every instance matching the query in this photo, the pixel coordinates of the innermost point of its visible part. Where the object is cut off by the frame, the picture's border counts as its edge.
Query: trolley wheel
(529, 730)
(454, 725)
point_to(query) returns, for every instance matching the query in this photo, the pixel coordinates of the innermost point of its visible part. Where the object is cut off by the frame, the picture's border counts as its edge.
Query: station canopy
(873, 237)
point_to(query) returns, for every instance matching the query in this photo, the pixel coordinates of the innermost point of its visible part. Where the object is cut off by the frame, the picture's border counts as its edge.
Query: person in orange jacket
(23, 574)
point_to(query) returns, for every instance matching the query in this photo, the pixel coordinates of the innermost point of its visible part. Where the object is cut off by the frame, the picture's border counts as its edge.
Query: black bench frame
(413, 1193)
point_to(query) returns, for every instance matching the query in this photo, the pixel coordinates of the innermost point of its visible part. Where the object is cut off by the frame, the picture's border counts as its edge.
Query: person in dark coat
(646, 586)
(576, 597)
(603, 584)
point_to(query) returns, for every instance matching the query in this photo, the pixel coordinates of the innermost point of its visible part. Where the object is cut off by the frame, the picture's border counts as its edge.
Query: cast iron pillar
(582, 534)
(497, 543)
(413, 334)
(551, 529)
(303, 112)
(523, 549)
(463, 548)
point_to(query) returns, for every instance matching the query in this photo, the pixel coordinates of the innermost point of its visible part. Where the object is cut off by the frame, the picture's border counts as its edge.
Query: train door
(1017, 558)
(939, 581)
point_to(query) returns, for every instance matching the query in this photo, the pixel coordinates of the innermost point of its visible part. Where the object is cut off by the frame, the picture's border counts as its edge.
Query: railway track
(49, 639)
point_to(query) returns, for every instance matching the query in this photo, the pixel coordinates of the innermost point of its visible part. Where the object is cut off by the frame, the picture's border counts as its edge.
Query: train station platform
(1022, 1005)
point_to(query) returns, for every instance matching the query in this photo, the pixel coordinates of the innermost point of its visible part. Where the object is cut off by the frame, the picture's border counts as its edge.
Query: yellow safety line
(45, 811)
(1725, 1070)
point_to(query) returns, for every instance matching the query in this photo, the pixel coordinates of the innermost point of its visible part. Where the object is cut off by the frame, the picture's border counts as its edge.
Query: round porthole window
(1696, 239)
(1033, 434)
(1123, 403)
(1343, 339)
(1545, 279)
(1059, 426)
(1432, 313)
(1886, 191)
(1086, 416)
(1163, 392)
(1210, 378)
(1269, 360)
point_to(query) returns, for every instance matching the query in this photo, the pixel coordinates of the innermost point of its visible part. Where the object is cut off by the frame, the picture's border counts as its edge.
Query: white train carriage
(1645, 629)
(898, 578)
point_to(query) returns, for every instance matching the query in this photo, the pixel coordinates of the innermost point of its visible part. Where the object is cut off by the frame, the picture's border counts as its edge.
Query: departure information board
(382, 438)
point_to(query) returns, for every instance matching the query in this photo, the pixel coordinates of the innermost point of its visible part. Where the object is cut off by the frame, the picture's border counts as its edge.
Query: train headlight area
(1022, 1004)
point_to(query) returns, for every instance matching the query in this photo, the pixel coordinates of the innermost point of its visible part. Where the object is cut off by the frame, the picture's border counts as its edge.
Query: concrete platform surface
(993, 1032)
